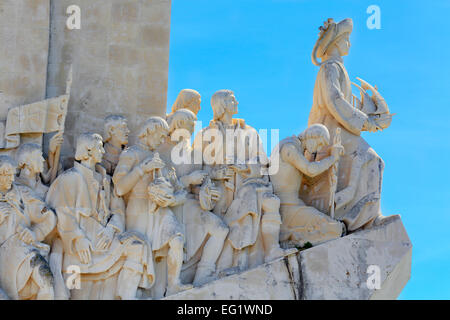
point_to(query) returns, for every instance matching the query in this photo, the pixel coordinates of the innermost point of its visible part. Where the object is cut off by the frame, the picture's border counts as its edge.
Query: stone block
(338, 269)
(276, 280)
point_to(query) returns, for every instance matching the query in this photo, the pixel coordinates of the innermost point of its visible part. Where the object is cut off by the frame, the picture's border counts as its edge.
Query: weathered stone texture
(276, 280)
(24, 39)
(338, 269)
(120, 62)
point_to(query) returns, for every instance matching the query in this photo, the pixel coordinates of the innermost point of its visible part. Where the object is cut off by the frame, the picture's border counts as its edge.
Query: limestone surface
(339, 269)
(276, 280)
(333, 270)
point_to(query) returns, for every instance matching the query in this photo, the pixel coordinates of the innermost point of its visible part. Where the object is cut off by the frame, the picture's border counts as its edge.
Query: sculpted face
(155, 138)
(231, 104)
(36, 161)
(120, 133)
(343, 44)
(97, 152)
(7, 174)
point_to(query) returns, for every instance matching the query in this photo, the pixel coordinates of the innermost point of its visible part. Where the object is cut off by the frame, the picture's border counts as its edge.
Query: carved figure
(357, 201)
(138, 167)
(204, 231)
(248, 204)
(25, 221)
(187, 99)
(302, 223)
(91, 224)
(116, 139)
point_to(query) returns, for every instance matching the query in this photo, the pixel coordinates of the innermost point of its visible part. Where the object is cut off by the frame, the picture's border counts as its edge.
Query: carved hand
(337, 150)
(27, 236)
(197, 177)
(215, 193)
(83, 248)
(165, 200)
(224, 174)
(151, 164)
(56, 141)
(105, 238)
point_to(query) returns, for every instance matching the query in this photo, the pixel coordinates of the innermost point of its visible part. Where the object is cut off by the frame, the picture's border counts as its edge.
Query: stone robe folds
(77, 196)
(244, 218)
(360, 169)
(248, 145)
(26, 210)
(197, 222)
(110, 158)
(159, 225)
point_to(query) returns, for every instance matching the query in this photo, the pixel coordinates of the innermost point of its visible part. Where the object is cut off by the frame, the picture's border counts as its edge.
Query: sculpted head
(116, 129)
(29, 156)
(7, 172)
(187, 99)
(182, 119)
(89, 148)
(224, 101)
(153, 132)
(315, 137)
(334, 38)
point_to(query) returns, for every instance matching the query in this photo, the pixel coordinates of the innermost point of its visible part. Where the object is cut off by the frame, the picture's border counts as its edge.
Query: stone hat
(329, 32)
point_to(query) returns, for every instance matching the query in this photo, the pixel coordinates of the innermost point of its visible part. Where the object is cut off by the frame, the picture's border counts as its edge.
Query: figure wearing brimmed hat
(357, 201)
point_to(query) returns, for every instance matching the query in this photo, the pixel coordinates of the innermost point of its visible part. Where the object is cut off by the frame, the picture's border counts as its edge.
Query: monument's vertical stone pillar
(120, 62)
(24, 41)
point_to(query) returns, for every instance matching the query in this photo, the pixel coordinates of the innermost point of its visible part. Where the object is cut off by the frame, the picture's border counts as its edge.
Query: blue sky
(261, 50)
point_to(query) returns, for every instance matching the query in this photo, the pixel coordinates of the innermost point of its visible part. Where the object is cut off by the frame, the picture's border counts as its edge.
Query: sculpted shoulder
(70, 175)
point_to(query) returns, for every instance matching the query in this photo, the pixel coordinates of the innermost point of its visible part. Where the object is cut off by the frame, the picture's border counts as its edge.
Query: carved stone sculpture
(34, 170)
(138, 167)
(187, 99)
(302, 223)
(25, 221)
(357, 201)
(116, 139)
(248, 204)
(204, 231)
(91, 224)
(167, 219)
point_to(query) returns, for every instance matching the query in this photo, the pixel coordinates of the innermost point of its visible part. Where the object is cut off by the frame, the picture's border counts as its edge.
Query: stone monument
(140, 213)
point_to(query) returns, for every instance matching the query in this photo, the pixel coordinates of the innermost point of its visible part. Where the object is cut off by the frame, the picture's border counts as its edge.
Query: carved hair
(174, 120)
(218, 103)
(24, 152)
(185, 98)
(314, 131)
(151, 125)
(9, 162)
(85, 143)
(110, 122)
(330, 32)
